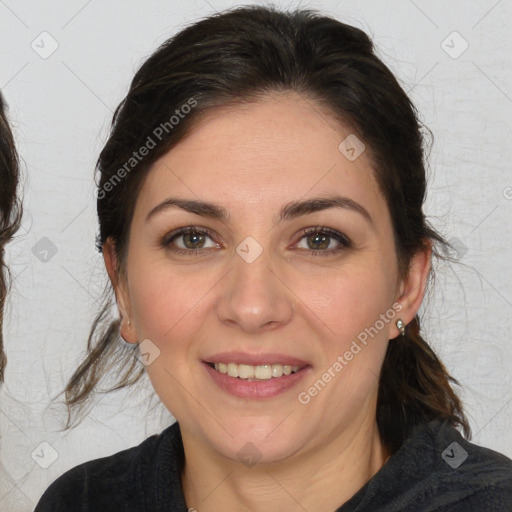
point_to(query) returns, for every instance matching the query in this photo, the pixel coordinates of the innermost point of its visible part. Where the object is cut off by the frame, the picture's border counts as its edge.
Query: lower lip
(256, 388)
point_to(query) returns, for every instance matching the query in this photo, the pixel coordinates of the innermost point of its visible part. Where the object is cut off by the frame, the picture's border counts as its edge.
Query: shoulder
(458, 475)
(116, 482)
(463, 460)
(478, 478)
(437, 470)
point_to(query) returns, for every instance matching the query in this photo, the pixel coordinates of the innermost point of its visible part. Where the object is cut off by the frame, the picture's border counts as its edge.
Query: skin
(252, 160)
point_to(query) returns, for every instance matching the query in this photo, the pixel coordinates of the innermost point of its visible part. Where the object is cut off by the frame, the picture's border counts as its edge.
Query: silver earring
(401, 326)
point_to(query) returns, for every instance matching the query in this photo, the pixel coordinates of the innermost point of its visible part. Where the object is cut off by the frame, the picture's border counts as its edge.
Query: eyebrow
(289, 211)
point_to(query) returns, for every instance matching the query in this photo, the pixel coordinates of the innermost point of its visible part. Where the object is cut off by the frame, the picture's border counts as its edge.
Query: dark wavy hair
(241, 55)
(10, 212)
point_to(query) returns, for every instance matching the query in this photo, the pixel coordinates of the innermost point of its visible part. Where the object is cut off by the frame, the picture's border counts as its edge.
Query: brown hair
(10, 212)
(238, 56)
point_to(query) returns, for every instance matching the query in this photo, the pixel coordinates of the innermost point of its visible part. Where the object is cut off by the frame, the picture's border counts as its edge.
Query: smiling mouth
(259, 372)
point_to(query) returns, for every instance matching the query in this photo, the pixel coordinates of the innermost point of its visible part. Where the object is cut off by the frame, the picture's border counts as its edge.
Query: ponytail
(414, 388)
(105, 353)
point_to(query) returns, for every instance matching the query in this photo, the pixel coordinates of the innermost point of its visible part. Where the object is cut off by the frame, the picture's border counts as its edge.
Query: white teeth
(245, 371)
(233, 370)
(277, 370)
(263, 372)
(260, 372)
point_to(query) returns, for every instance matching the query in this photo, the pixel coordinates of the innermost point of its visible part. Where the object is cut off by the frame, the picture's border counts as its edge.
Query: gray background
(60, 107)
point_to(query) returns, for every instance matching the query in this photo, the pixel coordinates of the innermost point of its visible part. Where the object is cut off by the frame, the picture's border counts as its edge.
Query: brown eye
(318, 241)
(193, 240)
(324, 240)
(189, 240)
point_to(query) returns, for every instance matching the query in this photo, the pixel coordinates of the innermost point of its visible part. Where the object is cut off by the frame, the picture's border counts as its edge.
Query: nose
(254, 296)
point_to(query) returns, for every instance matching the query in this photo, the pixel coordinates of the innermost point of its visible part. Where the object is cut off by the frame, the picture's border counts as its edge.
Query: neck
(314, 481)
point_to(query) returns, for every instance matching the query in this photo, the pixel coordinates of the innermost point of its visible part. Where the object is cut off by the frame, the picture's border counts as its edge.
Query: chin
(253, 441)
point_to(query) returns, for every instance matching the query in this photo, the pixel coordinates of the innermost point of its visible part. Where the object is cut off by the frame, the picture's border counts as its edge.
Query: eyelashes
(193, 233)
(190, 235)
(319, 234)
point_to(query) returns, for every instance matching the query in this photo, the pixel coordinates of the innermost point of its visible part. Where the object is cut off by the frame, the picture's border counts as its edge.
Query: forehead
(258, 155)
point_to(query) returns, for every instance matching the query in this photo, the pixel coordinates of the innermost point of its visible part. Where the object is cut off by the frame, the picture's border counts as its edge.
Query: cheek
(162, 299)
(348, 301)
(352, 339)
(353, 312)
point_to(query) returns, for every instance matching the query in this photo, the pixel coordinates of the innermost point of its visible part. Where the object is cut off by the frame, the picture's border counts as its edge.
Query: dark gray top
(435, 470)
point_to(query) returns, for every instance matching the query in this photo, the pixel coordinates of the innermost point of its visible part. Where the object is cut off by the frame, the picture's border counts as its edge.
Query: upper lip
(255, 359)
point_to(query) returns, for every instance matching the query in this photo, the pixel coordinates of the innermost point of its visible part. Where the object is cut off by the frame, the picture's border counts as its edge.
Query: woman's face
(263, 284)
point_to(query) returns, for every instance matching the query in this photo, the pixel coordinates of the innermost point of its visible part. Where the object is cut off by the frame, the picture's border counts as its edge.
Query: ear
(118, 281)
(412, 288)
